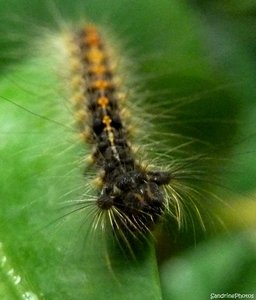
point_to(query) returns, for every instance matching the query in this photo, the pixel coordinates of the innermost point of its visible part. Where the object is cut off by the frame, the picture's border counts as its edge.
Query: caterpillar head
(137, 196)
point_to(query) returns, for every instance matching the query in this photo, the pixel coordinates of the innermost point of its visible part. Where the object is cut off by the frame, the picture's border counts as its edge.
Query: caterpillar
(131, 194)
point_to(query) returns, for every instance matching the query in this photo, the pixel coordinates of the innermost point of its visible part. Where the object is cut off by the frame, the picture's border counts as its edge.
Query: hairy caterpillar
(131, 194)
(65, 176)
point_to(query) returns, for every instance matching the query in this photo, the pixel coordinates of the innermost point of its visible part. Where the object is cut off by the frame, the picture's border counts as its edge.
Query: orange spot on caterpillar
(101, 85)
(103, 102)
(97, 69)
(92, 40)
(107, 121)
(95, 56)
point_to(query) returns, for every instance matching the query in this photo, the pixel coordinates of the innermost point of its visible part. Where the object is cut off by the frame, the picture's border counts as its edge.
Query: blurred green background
(195, 56)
